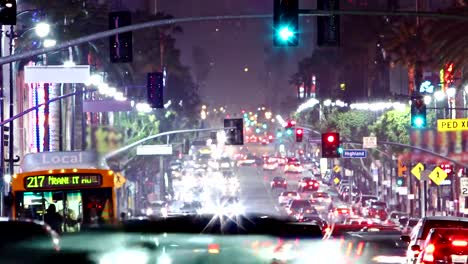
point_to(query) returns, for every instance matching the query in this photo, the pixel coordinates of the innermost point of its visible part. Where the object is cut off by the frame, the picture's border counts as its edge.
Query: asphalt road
(256, 194)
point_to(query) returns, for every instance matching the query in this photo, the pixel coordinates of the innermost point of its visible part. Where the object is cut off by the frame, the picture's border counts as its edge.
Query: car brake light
(289, 195)
(459, 243)
(307, 211)
(316, 184)
(303, 184)
(428, 253)
(336, 213)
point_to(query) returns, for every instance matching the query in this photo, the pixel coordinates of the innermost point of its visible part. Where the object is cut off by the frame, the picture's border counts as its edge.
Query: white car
(286, 197)
(270, 166)
(293, 167)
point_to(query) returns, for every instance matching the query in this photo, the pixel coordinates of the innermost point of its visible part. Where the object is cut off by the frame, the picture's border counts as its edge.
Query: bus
(82, 192)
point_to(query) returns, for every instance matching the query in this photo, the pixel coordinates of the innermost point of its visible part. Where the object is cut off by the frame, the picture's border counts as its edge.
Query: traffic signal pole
(158, 23)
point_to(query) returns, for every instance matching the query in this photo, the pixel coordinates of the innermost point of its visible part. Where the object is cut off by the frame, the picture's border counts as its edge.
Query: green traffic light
(289, 132)
(279, 134)
(285, 34)
(257, 130)
(418, 122)
(399, 182)
(340, 150)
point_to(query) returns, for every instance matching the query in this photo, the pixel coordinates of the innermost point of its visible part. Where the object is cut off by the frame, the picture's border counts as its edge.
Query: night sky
(234, 46)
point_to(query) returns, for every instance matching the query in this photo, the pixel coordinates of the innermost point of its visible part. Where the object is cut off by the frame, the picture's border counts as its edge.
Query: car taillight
(289, 195)
(272, 182)
(344, 211)
(428, 253)
(459, 243)
(316, 184)
(284, 182)
(336, 213)
(303, 184)
(307, 211)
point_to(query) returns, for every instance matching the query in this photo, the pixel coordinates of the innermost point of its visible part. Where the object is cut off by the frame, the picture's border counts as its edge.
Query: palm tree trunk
(411, 78)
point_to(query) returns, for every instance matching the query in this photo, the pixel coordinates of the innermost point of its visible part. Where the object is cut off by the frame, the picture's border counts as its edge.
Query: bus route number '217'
(51, 181)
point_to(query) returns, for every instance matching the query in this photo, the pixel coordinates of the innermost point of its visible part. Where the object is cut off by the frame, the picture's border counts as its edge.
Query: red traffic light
(290, 124)
(446, 167)
(331, 145)
(299, 134)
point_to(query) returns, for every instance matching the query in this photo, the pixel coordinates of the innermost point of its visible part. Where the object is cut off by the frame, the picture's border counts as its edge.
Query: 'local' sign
(452, 124)
(354, 153)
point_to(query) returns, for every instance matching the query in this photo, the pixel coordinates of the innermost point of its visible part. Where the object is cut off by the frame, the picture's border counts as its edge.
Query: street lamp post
(42, 30)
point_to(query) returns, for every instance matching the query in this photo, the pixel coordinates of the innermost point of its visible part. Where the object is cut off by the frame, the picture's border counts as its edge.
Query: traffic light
(328, 27)
(447, 168)
(330, 145)
(289, 127)
(418, 112)
(401, 169)
(299, 134)
(120, 45)
(155, 89)
(285, 22)
(400, 181)
(8, 12)
(234, 131)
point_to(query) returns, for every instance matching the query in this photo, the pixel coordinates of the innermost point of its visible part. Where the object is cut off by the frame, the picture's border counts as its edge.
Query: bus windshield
(77, 208)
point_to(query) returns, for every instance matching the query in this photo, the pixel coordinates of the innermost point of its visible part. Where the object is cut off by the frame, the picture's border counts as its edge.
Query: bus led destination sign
(62, 181)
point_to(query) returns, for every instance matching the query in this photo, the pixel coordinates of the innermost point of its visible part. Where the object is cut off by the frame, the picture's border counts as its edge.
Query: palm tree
(447, 44)
(407, 44)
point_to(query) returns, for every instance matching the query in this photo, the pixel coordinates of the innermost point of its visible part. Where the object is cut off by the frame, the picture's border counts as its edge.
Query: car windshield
(118, 110)
(442, 224)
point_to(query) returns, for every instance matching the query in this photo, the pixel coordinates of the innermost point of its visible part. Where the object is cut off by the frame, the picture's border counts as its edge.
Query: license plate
(456, 259)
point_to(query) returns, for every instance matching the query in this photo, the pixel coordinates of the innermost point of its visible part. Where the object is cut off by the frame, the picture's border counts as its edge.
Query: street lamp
(42, 29)
(49, 43)
(427, 99)
(451, 92)
(439, 95)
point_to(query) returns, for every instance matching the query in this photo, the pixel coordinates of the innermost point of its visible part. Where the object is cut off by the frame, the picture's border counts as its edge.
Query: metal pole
(61, 120)
(11, 110)
(2, 133)
(156, 23)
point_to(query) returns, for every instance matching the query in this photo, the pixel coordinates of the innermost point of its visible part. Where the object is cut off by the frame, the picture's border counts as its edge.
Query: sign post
(354, 153)
(464, 186)
(369, 142)
(444, 125)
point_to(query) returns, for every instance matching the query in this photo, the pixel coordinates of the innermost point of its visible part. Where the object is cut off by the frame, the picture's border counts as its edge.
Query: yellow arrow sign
(336, 180)
(416, 170)
(438, 175)
(337, 169)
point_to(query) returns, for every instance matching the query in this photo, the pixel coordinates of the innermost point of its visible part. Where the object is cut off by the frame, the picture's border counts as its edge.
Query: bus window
(76, 207)
(98, 207)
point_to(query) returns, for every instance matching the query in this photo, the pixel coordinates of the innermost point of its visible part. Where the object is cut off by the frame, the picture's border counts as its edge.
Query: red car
(377, 210)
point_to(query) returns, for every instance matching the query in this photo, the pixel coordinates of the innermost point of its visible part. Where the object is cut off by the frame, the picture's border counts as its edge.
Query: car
(340, 214)
(444, 245)
(321, 197)
(372, 203)
(286, 197)
(270, 164)
(407, 225)
(295, 206)
(421, 230)
(157, 209)
(362, 200)
(225, 164)
(293, 167)
(307, 184)
(247, 160)
(377, 210)
(279, 182)
(17, 231)
(395, 217)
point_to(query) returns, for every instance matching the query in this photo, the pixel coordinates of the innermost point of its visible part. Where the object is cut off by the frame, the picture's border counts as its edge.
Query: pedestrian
(53, 219)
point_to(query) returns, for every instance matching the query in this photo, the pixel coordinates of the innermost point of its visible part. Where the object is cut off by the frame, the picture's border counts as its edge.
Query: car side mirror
(405, 238)
(415, 248)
